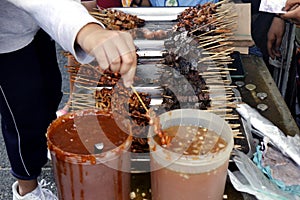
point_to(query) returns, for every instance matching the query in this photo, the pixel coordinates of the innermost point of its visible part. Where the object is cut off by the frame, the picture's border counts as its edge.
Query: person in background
(179, 2)
(275, 35)
(260, 26)
(30, 80)
(293, 11)
(293, 15)
(109, 4)
(122, 3)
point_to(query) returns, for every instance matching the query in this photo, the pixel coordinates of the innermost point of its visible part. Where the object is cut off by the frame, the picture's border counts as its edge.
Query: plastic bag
(279, 169)
(255, 182)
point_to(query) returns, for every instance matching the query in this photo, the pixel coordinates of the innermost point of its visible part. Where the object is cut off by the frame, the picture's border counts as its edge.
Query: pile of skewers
(117, 20)
(109, 94)
(207, 27)
(209, 90)
(211, 26)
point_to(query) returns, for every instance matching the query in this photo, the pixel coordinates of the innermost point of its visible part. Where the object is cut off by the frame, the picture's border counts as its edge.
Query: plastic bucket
(81, 171)
(180, 175)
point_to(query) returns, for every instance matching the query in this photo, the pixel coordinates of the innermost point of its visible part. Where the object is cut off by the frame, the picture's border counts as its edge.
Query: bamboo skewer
(221, 98)
(221, 86)
(209, 77)
(219, 20)
(215, 58)
(219, 54)
(223, 35)
(239, 137)
(218, 92)
(230, 105)
(217, 81)
(205, 43)
(214, 73)
(219, 110)
(221, 68)
(98, 13)
(140, 99)
(216, 62)
(235, 125)
(236, 132)
(222, 2)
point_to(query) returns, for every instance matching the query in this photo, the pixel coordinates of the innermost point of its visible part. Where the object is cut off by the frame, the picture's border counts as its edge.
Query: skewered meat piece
(199, 19)
(145, 33)
(198, 98)
(117, 20)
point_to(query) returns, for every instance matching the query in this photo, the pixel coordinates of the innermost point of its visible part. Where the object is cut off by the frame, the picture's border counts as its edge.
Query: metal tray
(154, 13)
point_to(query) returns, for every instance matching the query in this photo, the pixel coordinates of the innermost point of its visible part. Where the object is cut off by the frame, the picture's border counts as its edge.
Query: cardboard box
(242, 38)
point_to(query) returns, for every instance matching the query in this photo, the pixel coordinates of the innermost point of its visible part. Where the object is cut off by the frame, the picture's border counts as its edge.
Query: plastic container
(183, 176)
(79, 172)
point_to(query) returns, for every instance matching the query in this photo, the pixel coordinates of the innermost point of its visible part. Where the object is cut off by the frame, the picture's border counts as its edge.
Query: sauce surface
(79, 135)
(192, 140)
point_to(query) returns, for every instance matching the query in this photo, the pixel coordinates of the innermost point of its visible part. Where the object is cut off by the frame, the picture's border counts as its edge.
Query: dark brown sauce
(76, 170)
(81, 136)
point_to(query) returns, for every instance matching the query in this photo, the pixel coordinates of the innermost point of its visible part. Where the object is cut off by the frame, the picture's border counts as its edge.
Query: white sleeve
(62, 20)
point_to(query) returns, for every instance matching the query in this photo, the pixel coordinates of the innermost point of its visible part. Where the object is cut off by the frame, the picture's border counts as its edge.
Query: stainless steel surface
(154, 13)
(155, 45)
(149, 53)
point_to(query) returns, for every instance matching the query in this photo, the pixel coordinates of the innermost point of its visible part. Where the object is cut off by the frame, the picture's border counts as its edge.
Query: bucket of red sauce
(82, 170)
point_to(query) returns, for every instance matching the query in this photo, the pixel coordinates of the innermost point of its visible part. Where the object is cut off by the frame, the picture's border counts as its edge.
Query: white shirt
(61, 19)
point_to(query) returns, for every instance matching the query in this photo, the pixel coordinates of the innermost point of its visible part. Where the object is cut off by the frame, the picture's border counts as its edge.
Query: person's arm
(290, 4)
(141, 3)
(293, 11)
(90, 5)
(275, 35)
(61, 19)
(69, 23)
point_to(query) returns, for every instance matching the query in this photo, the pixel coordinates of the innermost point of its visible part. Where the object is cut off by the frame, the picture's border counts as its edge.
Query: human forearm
(70, 24)
(275, 35)
(290, 4)
(61, 19)
(89, 5)
(293, 11)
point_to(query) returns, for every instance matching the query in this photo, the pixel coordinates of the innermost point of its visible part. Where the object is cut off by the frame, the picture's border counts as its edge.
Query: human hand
(290, 4)
(275, 35)
(293, 9)
(112, 49)
(90, 5)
